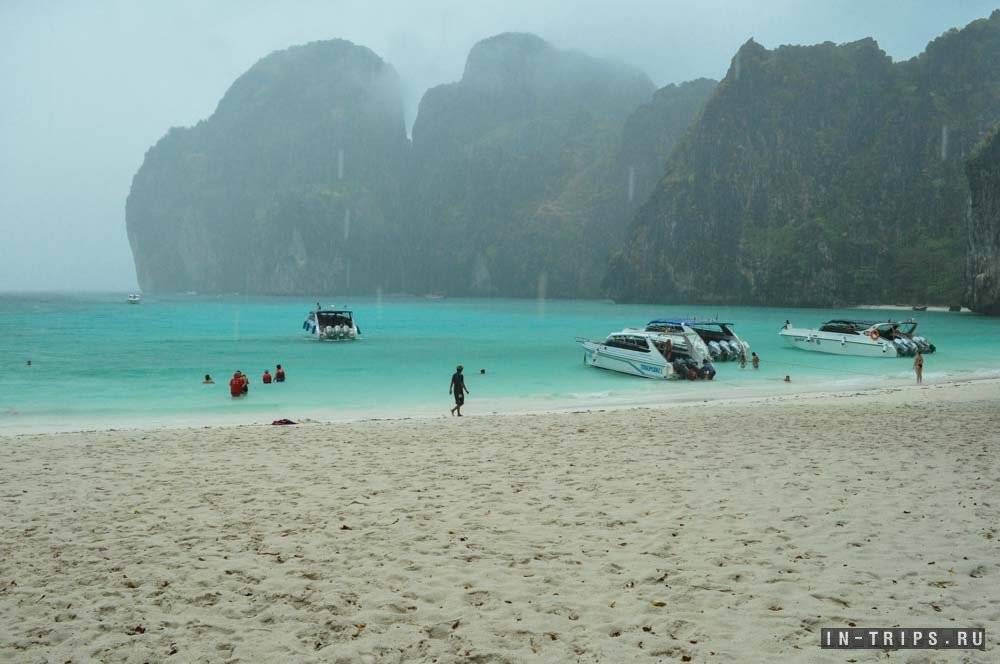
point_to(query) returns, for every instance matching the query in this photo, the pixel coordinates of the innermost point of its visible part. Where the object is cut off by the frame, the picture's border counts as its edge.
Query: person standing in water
(266, 378)
(279, 374)
(459, 389)
(208, 380)
(754, 360)
(918, 367)
(236, 385)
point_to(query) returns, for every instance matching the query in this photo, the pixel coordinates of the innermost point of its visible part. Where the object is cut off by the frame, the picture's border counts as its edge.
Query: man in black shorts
(459, 389)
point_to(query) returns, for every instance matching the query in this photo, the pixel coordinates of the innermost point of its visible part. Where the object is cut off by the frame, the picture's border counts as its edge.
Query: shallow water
(98, 361)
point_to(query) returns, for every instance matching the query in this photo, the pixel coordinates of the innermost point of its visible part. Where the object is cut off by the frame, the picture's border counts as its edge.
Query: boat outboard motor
(901, 347)
(734, 350)
(715, 350)
(922, 344)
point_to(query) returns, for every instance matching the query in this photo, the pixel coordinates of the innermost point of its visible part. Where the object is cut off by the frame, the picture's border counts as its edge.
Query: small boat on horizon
(134, 298)
(331, 325)
(920, 307)
(862, 338)
(649, 354)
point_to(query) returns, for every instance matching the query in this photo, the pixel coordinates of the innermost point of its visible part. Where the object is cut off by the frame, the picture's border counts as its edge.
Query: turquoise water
(99, 362)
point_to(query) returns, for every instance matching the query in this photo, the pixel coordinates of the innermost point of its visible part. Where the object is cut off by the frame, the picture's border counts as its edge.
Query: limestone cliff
(821, 175)
(983, 170)
(514, 188)
(293, 185)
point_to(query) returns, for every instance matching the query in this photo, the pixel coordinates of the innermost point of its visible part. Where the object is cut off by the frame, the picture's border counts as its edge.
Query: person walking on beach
(754, 360)
(918, 367)
(459, 389)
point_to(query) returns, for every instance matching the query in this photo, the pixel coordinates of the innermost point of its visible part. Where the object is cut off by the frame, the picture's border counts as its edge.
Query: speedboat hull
(635, 363)
(838, 344)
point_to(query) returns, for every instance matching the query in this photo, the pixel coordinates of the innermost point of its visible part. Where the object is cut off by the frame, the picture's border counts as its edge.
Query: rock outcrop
(293, 185)
(821, 175)
(514, 189)
(983, 170)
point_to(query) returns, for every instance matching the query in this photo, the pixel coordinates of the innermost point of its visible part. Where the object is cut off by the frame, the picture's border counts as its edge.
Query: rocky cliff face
(821, 175)
(651, 133)
(983, 170)
(520, 178)
(514, 188)
(293, 185)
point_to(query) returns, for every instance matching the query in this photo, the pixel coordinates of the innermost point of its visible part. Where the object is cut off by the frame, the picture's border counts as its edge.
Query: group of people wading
(239, 384)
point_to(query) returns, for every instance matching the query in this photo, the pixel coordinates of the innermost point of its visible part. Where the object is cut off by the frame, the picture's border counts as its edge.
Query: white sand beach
(718, 532)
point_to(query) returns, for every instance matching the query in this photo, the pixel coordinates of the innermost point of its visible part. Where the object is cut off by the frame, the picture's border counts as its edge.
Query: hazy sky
(89, 86)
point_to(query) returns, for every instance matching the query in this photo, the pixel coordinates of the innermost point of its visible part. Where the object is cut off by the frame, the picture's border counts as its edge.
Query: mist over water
(100, 362)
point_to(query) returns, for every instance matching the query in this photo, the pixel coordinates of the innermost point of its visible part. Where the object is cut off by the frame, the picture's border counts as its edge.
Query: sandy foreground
(720, 532)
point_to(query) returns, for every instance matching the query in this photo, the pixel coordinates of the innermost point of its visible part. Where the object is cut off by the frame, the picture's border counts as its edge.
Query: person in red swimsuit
(266, 378)
(236, 385)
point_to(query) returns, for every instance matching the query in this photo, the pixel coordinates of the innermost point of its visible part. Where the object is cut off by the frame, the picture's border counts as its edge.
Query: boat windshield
(326, 318)
(894, 330)
(628, 342)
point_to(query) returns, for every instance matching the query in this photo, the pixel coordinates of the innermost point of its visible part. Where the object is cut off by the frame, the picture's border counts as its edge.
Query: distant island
(810, 175)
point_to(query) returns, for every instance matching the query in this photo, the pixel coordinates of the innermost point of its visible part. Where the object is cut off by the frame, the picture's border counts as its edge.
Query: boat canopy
(847, 325)
(686, 321)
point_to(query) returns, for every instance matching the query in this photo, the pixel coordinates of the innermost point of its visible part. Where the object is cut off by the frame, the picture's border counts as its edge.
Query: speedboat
(649, 354)
(331, 325)
(134, 298)
(720, 338)
(863, 338)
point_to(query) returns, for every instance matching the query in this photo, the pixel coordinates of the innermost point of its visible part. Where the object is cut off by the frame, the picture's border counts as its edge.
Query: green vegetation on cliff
(821, 175)
(293, 185)
(983, 171)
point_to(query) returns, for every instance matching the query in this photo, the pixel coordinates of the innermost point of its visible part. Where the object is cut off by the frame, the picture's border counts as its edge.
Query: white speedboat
(863, 338)
(720, 338)
(650, 354)
(331, 325)
(134, 298)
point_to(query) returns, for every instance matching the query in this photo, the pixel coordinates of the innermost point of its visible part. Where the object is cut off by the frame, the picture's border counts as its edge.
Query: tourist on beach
(788, 378)
(707, 370)
(918, 367)
(754, 360)
(208, 380)
(459, 389)
(236, 385)
(244, 383)
(743, 360)
(279, 374)
(266, 378)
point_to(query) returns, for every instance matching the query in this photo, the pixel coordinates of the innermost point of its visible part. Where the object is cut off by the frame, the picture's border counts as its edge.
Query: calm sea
(100, 362)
